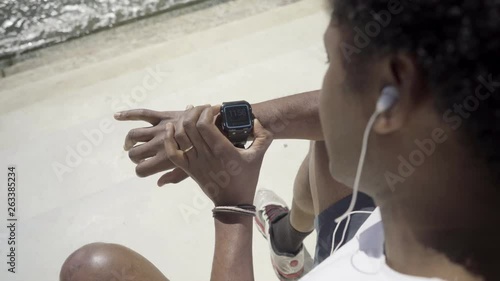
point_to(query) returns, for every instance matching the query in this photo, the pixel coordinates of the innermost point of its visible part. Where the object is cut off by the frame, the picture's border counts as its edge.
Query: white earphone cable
(389, 96)
(361, 162)
(335, 248)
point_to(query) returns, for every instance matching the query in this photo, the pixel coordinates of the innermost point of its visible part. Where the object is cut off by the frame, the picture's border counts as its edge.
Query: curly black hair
(456, 45)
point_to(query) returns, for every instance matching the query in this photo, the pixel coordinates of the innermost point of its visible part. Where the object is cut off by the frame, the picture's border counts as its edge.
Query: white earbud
(388, 98)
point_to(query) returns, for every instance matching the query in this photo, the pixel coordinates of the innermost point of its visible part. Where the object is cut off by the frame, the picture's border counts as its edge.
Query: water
(28, 24)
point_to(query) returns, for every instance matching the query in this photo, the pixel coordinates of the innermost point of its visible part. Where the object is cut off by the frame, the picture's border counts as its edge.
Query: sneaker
(271, 208)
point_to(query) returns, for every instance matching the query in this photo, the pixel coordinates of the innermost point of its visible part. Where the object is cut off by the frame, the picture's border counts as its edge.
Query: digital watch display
(237, 121)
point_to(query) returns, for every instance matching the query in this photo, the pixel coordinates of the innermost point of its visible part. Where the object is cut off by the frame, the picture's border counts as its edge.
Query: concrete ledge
(134, 35)
(118, 66)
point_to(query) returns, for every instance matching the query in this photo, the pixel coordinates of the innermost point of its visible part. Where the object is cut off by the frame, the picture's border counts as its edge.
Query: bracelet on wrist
(245, 210)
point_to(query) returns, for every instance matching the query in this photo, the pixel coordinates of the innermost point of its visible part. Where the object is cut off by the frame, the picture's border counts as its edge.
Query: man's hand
(292, 117)
(228, 175)
(150, 156)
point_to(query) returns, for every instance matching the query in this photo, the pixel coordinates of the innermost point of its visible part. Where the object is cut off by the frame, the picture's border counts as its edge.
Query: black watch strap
(238, 136)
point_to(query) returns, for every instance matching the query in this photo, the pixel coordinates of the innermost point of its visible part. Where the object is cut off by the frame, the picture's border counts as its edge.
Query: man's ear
(399, 71)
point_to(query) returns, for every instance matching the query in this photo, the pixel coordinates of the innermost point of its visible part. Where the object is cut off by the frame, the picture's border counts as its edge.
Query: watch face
(238, 116)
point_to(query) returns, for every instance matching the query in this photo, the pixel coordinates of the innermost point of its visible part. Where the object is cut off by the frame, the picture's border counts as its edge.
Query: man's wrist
(230, 218)
(233, 248)
(291, 117)
(262, 114)
(240, 198)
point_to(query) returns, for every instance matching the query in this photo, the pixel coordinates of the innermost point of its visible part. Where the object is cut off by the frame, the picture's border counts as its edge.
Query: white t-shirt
(361, 259)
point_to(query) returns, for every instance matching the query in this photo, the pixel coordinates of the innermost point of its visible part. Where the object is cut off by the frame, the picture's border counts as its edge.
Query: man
(316, 193)
(431, 163)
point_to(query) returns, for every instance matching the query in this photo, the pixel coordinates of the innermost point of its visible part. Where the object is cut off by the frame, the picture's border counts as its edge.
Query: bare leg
(325, 190)
(302, 210)
(315, 190)
(106, 262)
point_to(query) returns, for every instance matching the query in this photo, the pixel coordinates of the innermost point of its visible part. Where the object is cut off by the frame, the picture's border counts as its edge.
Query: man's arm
(233, 248)
(212, 152)
(291, 117)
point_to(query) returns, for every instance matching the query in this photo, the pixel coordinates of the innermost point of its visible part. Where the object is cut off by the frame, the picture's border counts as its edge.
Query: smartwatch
(237, 122)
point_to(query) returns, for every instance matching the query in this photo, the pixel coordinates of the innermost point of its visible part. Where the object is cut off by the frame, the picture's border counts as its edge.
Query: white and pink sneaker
(269, 208)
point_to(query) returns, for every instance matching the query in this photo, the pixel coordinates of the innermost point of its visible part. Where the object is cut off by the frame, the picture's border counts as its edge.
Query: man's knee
(105, 262)
(92, 260)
